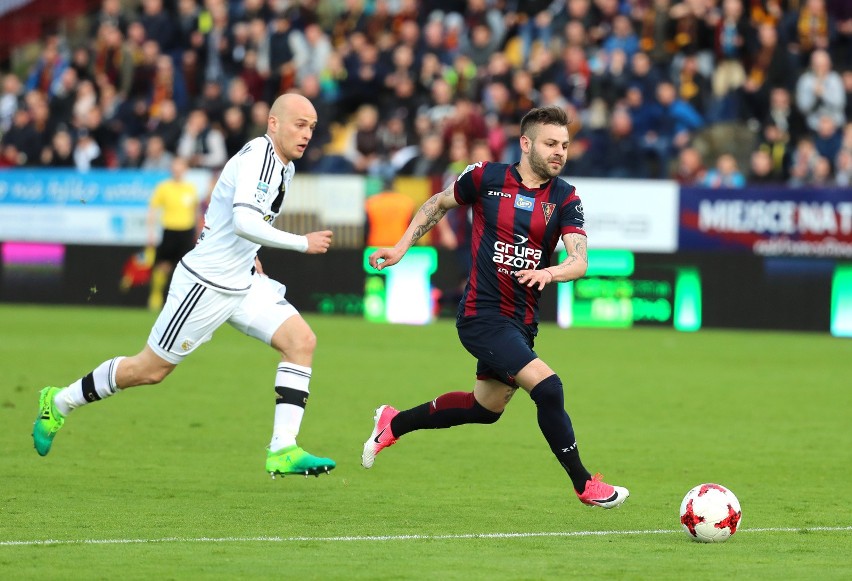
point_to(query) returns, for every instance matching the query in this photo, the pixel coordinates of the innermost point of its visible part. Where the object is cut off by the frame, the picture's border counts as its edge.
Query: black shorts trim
(213, 284)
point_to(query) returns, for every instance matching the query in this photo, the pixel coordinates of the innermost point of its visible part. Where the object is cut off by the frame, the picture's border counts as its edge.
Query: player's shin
(557, 429)
(95, 386)
(445, 411)
(291, 388)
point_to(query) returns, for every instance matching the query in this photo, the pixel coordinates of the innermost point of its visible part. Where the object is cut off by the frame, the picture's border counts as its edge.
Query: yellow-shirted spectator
(174, 207)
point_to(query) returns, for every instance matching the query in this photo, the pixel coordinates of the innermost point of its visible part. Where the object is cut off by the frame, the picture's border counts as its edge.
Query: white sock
(291, 388)
(95, 386)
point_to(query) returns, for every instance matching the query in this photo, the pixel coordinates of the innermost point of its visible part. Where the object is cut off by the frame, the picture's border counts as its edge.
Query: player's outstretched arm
(249, 224)
(424, 220)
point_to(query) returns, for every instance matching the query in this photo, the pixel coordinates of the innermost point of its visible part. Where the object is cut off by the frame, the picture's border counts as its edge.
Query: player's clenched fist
(318, 242)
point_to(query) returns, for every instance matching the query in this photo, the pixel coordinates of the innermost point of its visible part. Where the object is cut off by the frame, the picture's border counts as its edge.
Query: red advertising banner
(767, 221)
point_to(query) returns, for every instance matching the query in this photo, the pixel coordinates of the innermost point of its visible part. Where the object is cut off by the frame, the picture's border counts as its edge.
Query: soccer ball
(710, 513)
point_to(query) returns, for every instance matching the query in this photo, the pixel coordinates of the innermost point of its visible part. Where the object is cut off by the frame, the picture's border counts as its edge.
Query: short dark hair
(544, 116)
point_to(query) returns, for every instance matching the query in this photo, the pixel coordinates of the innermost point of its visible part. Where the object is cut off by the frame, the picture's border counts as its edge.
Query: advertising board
(792, 222)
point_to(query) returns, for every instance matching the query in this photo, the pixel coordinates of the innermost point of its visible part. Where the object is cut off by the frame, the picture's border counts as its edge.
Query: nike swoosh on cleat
(610, 499)
(379, 435)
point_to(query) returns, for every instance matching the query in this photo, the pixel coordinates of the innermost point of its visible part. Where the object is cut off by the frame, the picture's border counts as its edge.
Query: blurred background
(711, 145)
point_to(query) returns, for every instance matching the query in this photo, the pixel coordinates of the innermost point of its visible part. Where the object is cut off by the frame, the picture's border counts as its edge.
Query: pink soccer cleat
(599, 493)
(381, 438)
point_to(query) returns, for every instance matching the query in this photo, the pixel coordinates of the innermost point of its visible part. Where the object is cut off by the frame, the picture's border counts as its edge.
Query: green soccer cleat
(295, 461)
(48, 422)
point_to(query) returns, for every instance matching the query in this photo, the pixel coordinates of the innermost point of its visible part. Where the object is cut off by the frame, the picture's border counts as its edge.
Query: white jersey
(254, 178)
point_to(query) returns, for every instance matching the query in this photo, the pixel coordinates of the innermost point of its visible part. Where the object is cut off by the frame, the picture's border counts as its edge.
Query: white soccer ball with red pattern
(710, 513)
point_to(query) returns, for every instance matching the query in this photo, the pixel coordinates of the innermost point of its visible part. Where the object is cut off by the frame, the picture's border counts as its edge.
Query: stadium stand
(646, 81)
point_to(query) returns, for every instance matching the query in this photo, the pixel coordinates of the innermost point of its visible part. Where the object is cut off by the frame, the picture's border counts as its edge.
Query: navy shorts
(502, 346)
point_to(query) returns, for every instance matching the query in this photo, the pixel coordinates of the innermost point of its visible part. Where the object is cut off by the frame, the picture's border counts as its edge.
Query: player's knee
(298, 345)
(549, 392)
(308, 342)
(482, 415)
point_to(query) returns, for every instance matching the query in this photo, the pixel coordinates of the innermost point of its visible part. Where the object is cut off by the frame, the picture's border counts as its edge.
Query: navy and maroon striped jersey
(514, 228)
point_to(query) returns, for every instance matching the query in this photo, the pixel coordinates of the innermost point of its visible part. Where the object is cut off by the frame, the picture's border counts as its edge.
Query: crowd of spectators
(720, 93)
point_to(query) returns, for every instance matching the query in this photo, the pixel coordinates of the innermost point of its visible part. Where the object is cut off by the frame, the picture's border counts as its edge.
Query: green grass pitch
(167, 482)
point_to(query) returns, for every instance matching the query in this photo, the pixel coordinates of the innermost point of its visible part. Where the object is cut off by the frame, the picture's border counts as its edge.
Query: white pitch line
(392, 537)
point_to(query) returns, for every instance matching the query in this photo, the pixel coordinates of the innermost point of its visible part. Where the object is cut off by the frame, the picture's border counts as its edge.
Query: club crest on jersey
(548, 209)
(261, 194)
(524, 203)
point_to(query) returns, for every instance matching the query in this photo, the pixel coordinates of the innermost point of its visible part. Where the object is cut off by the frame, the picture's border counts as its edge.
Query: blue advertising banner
(72, 207)
(767, 221)
(67, 206)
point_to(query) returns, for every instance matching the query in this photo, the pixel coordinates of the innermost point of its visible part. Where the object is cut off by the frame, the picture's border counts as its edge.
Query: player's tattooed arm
(429, 214)
(433, 210)
(575, 265)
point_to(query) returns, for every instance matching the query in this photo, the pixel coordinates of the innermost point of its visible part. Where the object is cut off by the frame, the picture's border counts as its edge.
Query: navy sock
(556, 426)
(445, 411)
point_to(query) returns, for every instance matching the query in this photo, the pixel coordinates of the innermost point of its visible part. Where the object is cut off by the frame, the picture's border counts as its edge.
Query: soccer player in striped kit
(520, 212)
(221, 280)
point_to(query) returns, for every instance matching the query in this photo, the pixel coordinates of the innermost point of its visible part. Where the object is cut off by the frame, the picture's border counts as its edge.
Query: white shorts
(193, 312)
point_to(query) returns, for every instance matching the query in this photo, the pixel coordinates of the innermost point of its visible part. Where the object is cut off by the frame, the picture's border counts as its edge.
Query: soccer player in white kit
(221, 281)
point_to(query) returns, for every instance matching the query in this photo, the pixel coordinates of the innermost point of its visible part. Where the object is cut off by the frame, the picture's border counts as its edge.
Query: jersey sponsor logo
(524, 203)
(261, 194)
(471, 167)
(548, 209)
(516, 255)
(580, 209)
(496, 193)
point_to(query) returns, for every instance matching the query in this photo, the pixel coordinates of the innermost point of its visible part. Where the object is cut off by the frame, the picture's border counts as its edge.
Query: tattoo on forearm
(579, 253)
(433, 213)
(580, 247)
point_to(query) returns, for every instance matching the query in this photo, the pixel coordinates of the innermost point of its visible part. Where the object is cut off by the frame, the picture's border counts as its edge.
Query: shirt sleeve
(255, 164)
(466, 187)
(571, 219)
(251, 226)
(156, 200)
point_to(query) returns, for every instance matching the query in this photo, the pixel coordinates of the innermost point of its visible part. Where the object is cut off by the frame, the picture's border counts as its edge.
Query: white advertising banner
(334, 199)
(636, 215)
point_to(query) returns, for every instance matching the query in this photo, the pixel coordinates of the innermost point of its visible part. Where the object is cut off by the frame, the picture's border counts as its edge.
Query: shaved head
(291, 102)
(291, 123)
